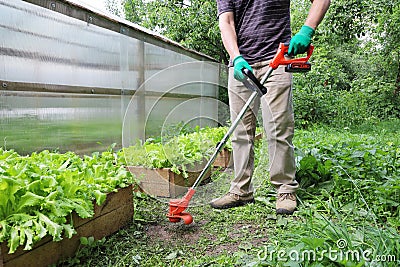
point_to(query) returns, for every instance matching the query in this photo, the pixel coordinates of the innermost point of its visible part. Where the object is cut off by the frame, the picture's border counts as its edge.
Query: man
(251, 31)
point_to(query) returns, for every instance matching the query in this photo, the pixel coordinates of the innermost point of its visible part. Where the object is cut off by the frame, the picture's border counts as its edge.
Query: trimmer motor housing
(298, 67)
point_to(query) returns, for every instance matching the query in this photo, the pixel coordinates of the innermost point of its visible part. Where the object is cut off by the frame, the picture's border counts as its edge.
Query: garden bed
(115, 213)
(48, 200)
(168, 168)
(223, 159)
(163, 182)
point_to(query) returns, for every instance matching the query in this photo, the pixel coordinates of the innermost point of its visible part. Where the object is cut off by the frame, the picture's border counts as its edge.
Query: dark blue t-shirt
(260, 26)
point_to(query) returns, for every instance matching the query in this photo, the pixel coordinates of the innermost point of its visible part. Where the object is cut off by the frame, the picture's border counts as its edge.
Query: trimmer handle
(253, 78)
(280, 59)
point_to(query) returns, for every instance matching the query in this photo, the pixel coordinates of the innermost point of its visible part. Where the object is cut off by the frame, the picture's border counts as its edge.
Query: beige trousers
(278, 121)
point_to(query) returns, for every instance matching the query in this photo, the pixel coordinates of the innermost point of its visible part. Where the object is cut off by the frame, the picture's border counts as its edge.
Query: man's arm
(317, 13)
(229, 39)
(228, 34)
(302, 40)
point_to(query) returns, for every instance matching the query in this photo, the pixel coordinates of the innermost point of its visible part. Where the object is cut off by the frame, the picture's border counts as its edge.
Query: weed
(348, 213)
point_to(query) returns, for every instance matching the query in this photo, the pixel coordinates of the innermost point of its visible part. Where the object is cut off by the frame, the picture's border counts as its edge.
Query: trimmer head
(177, 207)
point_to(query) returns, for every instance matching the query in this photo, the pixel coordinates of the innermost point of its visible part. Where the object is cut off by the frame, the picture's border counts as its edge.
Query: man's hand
(301, 41)
(238, 64)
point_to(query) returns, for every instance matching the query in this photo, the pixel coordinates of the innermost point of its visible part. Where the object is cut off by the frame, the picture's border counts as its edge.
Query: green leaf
(8, 194)
(83, 208)
(4, 230)
(40, 229)
(172, 255)
(22, 218)
(29, 199)
(64, 165)
(13, 242)
(69, 230)
(29, 233)
(99, 196)
(313, 242)
(53, 228)
(308, 163)
(3, 184)
(84, 240)
(21, 236)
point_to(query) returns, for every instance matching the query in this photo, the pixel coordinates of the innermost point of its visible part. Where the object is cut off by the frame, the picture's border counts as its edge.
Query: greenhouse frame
(74, 78)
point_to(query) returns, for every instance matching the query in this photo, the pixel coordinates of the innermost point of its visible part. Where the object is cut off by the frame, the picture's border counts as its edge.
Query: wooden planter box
(223, 159)
(116, 212)
(163, 182)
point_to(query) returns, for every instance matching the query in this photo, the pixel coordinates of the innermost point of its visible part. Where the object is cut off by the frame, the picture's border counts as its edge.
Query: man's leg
(278, 119)
(241, 190)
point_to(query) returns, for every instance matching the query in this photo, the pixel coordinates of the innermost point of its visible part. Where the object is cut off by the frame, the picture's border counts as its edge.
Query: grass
(348, 213)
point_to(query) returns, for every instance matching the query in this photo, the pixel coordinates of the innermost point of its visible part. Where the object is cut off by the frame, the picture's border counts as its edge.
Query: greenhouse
(69, 73)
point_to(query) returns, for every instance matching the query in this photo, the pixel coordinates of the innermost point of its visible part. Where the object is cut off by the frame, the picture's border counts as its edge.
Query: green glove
(238, 64)
(301, 41)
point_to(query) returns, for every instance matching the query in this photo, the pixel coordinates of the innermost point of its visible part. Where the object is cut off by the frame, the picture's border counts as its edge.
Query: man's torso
(260, 26)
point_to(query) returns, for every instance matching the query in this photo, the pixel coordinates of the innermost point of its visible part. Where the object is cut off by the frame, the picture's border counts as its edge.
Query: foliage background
(356, 63)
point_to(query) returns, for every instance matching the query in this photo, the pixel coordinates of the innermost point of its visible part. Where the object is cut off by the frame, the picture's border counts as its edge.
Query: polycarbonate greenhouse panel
(33, 122)
(46, 47)
(70, 79)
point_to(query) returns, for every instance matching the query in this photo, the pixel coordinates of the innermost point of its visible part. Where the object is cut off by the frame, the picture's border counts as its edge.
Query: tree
(357, 51)
(191, 23)
(114, 7)
(387, 35)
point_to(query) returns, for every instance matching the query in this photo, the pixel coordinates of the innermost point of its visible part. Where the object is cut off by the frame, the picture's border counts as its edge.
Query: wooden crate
(115, 213)
(163, 182)
(223, 159)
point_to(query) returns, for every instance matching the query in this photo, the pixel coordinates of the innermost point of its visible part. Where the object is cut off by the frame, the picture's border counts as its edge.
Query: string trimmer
(177, 207)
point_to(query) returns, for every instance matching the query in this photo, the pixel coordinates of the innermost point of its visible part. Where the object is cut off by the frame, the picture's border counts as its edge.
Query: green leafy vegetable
(39, 191)
(176, 152)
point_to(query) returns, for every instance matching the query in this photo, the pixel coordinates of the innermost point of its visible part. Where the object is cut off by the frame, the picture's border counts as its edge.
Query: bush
(366, 100)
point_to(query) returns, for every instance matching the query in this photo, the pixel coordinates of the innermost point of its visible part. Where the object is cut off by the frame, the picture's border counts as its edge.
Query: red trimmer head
(177, 207)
